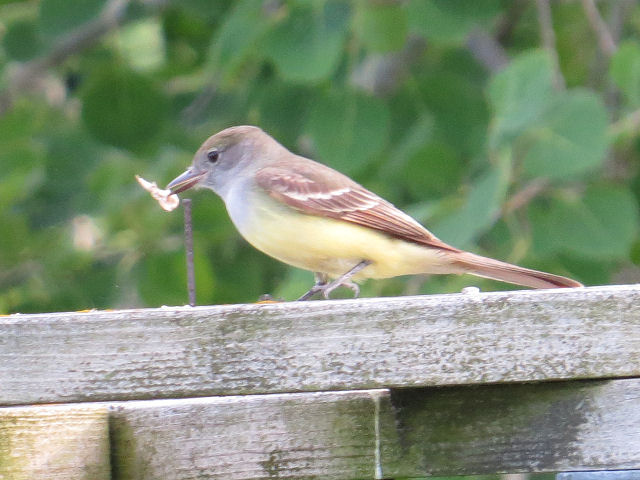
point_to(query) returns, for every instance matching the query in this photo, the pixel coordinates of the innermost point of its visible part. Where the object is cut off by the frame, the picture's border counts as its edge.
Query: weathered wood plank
(556, 426)
(62, 442)
(586, 425)
(323, 345)
(308, 435)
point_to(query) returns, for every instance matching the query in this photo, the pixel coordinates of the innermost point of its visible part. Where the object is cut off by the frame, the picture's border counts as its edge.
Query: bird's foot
(317, 288)
(330, 287)
(325, 287)
(321, 280)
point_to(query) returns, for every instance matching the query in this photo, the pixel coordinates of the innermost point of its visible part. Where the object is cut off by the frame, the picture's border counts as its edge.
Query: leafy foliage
(399, 95)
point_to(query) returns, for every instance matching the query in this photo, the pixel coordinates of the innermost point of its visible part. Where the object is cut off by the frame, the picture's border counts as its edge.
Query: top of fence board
(324, 345)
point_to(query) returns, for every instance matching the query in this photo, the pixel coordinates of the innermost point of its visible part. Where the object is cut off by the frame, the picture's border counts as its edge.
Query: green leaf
(22, 174)
(479, 210)
(142, 44)
(417, 134)
(235, 40)
(519, 95)
(12, 247)
(634, 255)
(205, 278)
(600, 225)
(282, 109)
(243, 274)
(571, 139)
(307, 45)
(625, 71)
(295, 283)
(348, 128)
(21, 122)
(447, 21)
(382, 27)
(123, 108)
(434, 170)
(162, 279)
(460, 113)
(22, 41)
(57, 17)
(563, 134)
(70, 156)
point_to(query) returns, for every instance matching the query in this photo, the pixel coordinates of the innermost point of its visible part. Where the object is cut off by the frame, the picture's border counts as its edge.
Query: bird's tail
(506, 272)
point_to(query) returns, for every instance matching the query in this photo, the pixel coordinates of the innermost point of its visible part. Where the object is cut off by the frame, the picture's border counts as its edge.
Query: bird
(308, 215)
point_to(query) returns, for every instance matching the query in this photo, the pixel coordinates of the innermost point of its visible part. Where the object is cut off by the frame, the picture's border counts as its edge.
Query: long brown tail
(506, 272)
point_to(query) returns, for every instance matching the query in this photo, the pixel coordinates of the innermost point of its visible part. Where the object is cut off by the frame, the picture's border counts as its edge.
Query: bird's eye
(213, 155)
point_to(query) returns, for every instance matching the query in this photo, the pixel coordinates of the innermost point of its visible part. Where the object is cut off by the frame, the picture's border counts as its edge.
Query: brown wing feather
(316, 189)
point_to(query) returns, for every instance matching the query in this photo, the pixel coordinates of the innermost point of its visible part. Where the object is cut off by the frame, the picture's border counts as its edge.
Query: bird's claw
(312, 291)
(327, 289)
(330, 287)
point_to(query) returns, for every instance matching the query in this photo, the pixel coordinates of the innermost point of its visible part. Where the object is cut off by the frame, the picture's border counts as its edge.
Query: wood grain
(406, 433)
(62, 442)
(545, 427)
(324, 345)
(310, 435)
(586, 425)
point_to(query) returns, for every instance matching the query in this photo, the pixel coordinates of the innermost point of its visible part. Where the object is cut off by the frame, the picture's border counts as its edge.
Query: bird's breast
(322, 244)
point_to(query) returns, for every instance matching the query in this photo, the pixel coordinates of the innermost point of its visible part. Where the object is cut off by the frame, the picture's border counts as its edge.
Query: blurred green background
(507, 127)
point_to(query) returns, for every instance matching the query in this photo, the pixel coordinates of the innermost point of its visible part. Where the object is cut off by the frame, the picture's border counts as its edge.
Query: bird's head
(222, 156)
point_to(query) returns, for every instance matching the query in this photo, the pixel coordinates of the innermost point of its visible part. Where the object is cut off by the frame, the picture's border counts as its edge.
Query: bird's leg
(321, 281)
(342, 281)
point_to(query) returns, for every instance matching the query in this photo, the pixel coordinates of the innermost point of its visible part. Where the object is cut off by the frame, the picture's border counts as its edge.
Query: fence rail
(371, 388)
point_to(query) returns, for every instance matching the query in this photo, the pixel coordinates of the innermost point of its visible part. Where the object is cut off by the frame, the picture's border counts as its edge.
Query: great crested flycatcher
(310, 216)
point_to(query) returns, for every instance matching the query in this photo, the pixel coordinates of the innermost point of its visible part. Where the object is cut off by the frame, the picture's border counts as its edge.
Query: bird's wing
(316, 189)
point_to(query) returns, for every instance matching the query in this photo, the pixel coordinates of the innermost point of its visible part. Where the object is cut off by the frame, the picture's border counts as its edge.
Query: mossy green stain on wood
(485, 429)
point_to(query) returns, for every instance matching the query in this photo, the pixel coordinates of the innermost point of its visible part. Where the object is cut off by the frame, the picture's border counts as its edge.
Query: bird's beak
(185, 181)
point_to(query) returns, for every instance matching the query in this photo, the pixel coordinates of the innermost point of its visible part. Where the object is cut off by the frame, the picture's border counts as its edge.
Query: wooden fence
(527, 381)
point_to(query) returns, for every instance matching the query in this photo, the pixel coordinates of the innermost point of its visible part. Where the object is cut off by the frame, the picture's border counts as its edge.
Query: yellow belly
(332, 246)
